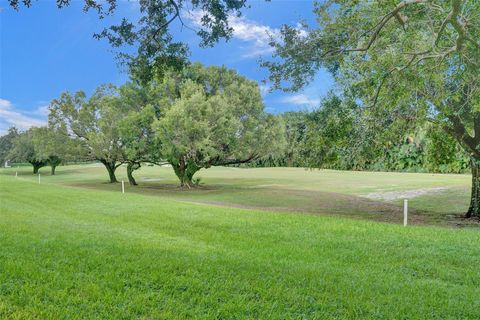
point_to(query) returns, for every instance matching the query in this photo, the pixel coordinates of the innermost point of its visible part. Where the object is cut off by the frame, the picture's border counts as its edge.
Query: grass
(324, 192)
(84, 253)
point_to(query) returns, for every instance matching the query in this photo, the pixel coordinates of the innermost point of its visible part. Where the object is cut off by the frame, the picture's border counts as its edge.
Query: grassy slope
(290, 189)
(78, 253)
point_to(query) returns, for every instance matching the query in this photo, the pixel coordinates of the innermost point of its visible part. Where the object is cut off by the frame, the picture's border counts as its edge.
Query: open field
(75, 247)
(435, 199)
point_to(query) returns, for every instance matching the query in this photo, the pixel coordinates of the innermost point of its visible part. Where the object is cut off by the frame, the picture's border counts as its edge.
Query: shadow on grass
(286, 200)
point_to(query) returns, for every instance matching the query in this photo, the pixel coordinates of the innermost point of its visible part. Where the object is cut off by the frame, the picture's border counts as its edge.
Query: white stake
(16, 174)
(123, 186)
(39, 178)
(405, 212)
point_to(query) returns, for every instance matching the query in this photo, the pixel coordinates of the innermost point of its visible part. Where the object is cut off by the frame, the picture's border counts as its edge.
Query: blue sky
(45, 51)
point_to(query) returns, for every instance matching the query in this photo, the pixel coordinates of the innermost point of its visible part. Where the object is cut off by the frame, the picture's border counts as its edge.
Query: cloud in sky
(301, 100)
(264, 89)
(9, 116)
(255, 34)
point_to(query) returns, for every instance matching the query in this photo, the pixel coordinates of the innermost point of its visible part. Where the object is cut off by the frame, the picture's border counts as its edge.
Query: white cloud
(43, 110)
(5, 104)
(258, 35)
(9, 116)
(264, 88)
(301, 100)
(270, 109)
(255, 34)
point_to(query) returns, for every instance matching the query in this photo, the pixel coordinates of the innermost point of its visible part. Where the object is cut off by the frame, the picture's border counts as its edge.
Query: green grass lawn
(89, 254)
(94, 253)
(325, 192)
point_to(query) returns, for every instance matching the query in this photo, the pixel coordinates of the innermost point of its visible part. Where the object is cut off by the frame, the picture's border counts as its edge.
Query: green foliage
(140, 106)
(295, 133)
(6, 144)
(342, 135)
(42, 146)
(443, 153)
(196, 118)
(94, 124)
(24, 149)
(215, 118)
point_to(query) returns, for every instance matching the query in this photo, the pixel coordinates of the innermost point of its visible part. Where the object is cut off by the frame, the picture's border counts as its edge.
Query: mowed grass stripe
(71, 253)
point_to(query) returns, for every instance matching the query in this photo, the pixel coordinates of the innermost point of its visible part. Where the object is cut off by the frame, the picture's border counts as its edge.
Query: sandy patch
(151, 179)
(406, 194)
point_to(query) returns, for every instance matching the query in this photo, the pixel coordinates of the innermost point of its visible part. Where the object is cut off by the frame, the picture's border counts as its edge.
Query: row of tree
(192, 119)
(341, 135)
(39, 146)
(133, 125)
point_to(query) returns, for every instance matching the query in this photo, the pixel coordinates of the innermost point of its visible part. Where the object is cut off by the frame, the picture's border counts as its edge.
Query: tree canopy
(94, 123)
(217, 118)
(6, 143)
(197, 118)
(24, 149)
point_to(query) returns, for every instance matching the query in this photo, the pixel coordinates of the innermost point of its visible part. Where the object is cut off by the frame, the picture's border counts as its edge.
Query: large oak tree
(214, 117)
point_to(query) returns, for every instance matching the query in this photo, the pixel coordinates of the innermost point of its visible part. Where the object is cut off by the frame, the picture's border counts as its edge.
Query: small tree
(25, 150)
(54, 145)
(218, 119)
(6, 144)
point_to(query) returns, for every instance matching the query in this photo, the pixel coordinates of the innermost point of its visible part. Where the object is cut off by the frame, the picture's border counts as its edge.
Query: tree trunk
(132, 166)
(185, 170)
(54, 161)
(474, 209)
(111, 170)
(37, 166)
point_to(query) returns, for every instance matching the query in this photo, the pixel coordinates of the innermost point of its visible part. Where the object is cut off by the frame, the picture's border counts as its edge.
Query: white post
(123, 186)
(39, 178)
(405, 212)
(16, 174)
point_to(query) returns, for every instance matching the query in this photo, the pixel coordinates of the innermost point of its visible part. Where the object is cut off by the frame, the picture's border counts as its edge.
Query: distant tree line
(340, 135)
(212, 116)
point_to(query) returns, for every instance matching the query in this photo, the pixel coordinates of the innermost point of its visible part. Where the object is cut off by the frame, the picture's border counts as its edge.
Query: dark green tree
(54, 145)
(216, 117)
(6, 144)
(141, 106)
(25, 150)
